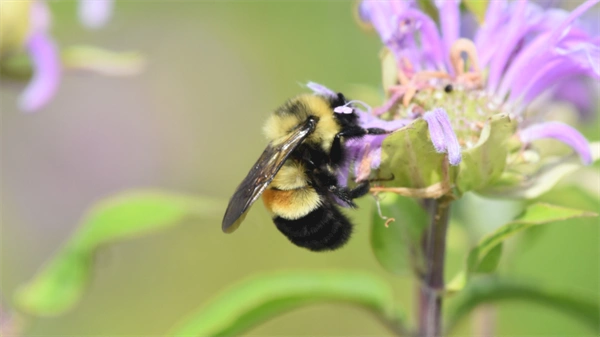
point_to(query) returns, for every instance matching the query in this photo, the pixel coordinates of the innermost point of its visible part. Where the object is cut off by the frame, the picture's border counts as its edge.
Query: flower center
(460, 94)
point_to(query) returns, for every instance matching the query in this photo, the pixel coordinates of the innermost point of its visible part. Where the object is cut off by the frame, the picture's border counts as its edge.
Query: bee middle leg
(347, 195)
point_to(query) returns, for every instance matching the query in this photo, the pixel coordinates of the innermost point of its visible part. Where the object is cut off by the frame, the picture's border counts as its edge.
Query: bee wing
(262, 173)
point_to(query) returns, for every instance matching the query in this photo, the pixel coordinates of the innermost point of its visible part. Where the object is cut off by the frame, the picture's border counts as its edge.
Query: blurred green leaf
(485, 162)
(567, 196)
(263, 297)
(389, 70)
(477, 7)
(572, 196)
(60, 284)
(430, 9)
(489, 262)
(488, 290)
(399, 243)
(530, 187)
(484, 257)
(102, 61)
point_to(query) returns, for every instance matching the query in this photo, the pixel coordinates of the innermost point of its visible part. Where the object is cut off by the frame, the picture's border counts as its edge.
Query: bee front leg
(336, 153)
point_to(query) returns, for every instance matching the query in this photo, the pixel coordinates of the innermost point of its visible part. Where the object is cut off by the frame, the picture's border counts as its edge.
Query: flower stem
(432, 285)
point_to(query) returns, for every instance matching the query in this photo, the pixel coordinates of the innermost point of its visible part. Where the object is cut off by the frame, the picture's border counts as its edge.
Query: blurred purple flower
(45, 59)
(521, 51)
(10, 324)
(580, 92)
(95, 13)
(43, 51)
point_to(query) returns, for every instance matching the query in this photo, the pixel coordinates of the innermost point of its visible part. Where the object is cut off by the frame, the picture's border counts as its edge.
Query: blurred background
(191, 122)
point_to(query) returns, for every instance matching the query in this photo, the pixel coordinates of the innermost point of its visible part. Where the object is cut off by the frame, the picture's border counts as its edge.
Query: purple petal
(520, 69)
(320, 89)
(562, 29)
(506, 46)
(442, 135)
(379, 14)
(450, 21)
(573, 56)
(95, 13)
(46, 74)
(468, 25)
(487, 34)
(365, 152)
(560, 132)
(40, 17)
(435, 132)
(452, 144)
(388, 105)
(578, 91)
(366, 121)
(540, 64)
(431, 42)
(544, 79)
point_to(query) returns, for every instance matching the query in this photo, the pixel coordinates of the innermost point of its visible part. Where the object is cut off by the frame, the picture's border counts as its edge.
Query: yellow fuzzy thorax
(280, 124)
(291, 176)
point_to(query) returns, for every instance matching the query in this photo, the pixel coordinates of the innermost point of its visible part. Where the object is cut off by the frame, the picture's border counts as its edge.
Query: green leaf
(398, 244)
(488, 263)
(485, 162)
(484, 257)
(59, 285)
(477, 7)
(102, 61)
(258, 299)
(487, 290)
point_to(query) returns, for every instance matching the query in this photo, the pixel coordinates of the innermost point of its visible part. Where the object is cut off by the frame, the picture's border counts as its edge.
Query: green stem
(434, 248)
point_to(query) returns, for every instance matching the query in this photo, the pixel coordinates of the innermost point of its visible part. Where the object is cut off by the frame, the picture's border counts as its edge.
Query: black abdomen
(325, 228)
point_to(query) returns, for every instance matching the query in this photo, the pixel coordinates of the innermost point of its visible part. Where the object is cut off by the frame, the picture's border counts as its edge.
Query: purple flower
(520, 52)
(10, 324)
(29, 24)
(95, 13)
(44, 56)
(364, 154)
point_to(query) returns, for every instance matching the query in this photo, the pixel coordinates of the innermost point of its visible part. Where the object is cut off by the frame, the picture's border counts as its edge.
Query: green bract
(410, 158)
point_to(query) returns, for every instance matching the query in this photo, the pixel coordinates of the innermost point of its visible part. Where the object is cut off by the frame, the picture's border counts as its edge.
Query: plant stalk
(432, 285)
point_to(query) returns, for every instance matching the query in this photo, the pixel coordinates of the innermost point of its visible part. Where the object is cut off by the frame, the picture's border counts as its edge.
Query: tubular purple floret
(442, 135)
(435, 131)
(452, 144)
(560, 31)
(561, 132)
(431, 42)
(516, 30)
(450, 23)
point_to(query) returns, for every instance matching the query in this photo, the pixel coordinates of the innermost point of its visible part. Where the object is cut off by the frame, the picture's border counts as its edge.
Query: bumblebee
(296, 173)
